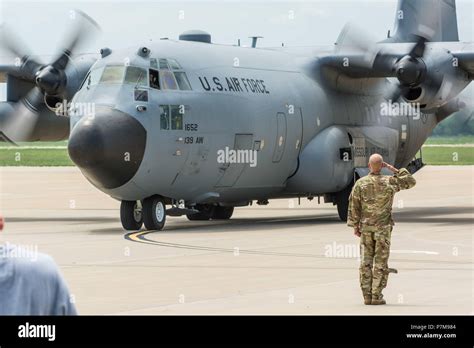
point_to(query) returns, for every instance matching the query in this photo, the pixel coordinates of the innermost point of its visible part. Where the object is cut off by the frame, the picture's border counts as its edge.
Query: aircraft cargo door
(232, 171)
(280, 138)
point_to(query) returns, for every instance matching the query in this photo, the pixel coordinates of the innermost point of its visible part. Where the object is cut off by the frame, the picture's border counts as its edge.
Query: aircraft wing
(466, 62)
(382, 65)
(361, 65)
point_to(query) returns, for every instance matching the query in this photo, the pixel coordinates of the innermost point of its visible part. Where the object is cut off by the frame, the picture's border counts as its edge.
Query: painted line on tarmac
(141, 237)
(449, 145)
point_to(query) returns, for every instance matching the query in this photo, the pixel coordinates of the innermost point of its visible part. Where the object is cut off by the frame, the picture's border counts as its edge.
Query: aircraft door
(232, 169)
(280, 138)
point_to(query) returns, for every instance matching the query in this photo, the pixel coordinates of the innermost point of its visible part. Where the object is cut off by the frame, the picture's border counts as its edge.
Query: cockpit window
(164, 64)
(167, 79)
(113, 74)
(177, 116)
(169, 76)
(174, 78)
(154, 79)
(174, 64)
(171, 117)
(94, 77)
(136, 76)
(140, 95)
(182, 80)
(164, 117)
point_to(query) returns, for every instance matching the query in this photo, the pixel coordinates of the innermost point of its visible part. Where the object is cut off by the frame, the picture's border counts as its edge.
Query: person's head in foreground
(375, 163)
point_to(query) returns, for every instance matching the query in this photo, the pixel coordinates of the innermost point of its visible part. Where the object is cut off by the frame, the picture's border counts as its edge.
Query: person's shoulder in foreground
(31, 284)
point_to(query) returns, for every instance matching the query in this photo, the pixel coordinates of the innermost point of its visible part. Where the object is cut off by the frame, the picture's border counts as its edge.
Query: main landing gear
(208, 212)
(341, 199)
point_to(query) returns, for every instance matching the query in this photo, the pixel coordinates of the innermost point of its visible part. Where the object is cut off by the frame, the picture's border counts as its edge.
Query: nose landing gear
(131, 215)
(152, 213)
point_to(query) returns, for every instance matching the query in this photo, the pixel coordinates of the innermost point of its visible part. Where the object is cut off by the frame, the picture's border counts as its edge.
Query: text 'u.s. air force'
(234, 84)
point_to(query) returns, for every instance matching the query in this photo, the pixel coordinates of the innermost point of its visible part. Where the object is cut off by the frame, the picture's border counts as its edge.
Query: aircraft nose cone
(108, 148)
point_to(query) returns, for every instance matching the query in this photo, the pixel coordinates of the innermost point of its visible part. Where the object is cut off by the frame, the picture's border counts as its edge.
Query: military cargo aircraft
(189, 127)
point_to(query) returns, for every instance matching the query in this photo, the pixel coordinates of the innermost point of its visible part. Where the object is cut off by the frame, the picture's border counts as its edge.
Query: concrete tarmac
(283, 258)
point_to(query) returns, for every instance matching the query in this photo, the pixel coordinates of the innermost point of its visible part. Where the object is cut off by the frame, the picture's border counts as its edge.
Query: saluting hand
(389, 167)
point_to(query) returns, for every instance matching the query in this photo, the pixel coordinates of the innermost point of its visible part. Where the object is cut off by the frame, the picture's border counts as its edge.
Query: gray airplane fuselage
(276, 102)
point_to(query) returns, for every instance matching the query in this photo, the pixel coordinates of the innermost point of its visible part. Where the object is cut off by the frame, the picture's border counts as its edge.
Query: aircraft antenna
(254, 40)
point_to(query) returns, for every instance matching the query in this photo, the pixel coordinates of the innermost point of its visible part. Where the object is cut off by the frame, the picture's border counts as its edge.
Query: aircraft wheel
(131, 215)
(342, 202)
(222, 213)
(205, 213)
(154, 213)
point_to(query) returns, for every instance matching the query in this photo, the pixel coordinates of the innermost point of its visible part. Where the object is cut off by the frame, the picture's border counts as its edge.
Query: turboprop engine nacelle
(443, 82)
(324, 164)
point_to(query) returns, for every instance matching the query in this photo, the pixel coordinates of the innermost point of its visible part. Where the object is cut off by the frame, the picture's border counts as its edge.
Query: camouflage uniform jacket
(371, 200)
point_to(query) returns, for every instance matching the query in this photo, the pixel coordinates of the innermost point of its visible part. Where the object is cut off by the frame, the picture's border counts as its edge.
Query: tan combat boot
(367, 299)
(378, 300)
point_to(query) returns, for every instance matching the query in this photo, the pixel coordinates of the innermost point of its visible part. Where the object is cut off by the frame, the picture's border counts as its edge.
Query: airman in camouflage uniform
(370, 214)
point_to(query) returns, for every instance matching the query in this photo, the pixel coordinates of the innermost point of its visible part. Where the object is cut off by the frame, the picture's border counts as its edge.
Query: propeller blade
(354, 40)
(454, 106)
(363, 55)
(25, 66)
(418, 49)
(84, 28)
(21, 122)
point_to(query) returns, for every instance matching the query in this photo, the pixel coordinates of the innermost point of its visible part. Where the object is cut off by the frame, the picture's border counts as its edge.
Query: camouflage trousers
(374, 252)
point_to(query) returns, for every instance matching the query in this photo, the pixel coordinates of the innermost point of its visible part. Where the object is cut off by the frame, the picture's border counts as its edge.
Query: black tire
(342, 202)
(129, 216)
(222, 213)
(342, 210)
(154, 213)
(205, 213)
